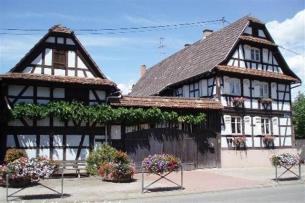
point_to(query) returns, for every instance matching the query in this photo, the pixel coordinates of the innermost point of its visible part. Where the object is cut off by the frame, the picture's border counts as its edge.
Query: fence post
(142, 180)
(276, 174)
(181, 176)
(300, 172)
(6, 182)
(62, 182)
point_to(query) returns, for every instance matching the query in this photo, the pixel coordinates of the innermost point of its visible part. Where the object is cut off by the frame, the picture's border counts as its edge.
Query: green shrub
(99, 156)
(13, 154)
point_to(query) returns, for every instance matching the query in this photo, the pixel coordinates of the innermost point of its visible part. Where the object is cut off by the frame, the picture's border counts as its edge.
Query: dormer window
(255, 54)
(59, 58)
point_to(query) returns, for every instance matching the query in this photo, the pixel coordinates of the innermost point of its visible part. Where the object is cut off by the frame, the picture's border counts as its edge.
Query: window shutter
(275, 125)
(227, 122)
(257, 128)
(247, 123)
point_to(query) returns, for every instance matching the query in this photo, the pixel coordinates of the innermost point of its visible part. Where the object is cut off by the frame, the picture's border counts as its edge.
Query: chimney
(206, 32)
(186, 45)
(142, 70)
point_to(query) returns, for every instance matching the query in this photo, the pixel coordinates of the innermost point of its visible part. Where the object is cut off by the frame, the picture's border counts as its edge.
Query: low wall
(250, 157)
(300, 145)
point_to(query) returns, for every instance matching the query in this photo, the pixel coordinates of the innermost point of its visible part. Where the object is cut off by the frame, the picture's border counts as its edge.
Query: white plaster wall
(27, 70)
(10, 142)
(48, 57)
(59, 93)
(43, 91)
(80, 63)
(59, 72)
(27, 140)
(51, 40)
(44, 153)
(116, 132)
(250, 157)
(69, 41)
(38, 60)
(71, 59)
(73, 140)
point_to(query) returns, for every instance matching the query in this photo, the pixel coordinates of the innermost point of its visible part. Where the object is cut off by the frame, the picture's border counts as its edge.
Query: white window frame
(255, 54)
(263, 90)
(235, 88)
(235, 122)
(266, 126)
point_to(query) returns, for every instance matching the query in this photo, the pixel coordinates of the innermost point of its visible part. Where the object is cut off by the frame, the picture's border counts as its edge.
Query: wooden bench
(74, 165)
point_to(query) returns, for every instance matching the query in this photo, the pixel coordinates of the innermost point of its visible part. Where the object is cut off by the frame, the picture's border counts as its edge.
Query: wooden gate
(196, 150)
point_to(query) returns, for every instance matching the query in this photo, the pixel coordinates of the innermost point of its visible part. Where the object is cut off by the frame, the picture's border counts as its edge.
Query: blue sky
(120, 55)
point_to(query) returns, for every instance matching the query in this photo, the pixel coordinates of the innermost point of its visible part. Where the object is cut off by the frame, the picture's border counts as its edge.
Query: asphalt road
(278, 194)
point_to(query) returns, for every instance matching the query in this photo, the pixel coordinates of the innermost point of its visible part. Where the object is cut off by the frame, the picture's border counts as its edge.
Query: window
(59, 58)
(234, 86)
(179, 92)
(265, 126)
(263, 90)
(194, 89)
(255, 54)
(236, 124)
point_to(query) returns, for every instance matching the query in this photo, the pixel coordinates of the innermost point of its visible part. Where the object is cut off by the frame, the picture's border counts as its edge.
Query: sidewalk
(204, 180)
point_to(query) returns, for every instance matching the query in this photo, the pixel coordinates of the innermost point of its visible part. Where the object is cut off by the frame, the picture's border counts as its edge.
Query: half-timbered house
(57, 68)
(241, 67)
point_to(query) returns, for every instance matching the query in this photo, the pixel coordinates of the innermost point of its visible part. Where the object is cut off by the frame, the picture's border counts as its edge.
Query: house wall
(201, 88)
(250, 158)
(51, 137)
(75, 65)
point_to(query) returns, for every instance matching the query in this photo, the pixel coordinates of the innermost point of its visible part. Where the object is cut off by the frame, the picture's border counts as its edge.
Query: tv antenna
(161, 47)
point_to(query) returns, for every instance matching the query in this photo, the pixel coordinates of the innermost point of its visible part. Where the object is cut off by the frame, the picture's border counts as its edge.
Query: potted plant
(3, 172)
(118, 170)
(240, 142)
(161, 163)
(238, 101)
(268, 141)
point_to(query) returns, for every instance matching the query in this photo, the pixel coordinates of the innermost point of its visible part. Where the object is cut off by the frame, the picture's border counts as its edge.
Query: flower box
(161, 163)
(266, 101)
(24, 171)
(240, 142)
(238, 101)
(285, 159)
(268, 141)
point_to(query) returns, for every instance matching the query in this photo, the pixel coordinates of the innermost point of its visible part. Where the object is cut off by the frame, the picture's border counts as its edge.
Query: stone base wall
(250, 157)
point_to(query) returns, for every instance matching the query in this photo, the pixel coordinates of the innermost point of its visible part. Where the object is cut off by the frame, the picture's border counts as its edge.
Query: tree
(299, 115)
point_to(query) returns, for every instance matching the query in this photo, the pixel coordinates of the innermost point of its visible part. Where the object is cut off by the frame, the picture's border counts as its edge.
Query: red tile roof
(255, 72)
(166, 102)
(59, 79)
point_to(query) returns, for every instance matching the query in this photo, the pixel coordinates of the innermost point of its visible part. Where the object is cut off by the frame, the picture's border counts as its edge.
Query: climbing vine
(77, 111)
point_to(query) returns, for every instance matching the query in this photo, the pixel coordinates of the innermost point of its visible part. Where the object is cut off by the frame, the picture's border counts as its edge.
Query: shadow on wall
(300, 144)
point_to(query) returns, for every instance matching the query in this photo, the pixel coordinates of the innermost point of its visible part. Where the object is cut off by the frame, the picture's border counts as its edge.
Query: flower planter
(18, 182)
(240, 143)
(161, 163)
(268, 141)
(238, 102)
